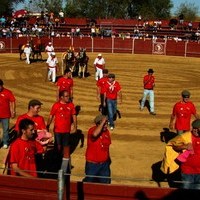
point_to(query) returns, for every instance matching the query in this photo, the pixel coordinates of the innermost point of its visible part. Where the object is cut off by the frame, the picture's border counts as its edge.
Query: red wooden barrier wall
(108, 44)
(19, 188)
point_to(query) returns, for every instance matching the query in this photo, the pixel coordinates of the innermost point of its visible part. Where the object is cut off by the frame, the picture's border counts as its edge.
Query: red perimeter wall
(20, 188)
(108, 44)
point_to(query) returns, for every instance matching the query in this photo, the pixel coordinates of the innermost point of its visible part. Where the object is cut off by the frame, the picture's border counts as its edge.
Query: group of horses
(76, 62)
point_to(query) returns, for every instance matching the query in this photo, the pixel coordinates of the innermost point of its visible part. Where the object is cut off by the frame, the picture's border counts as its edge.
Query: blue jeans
(5, 126)
(191, 181)
(96, 171)
(149, 93)
(112, 109)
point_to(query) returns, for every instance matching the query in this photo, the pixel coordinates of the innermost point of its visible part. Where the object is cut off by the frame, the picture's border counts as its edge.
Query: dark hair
(24, 123)
(34, 102)
(67, 70)
(1, 82)
(61, 93)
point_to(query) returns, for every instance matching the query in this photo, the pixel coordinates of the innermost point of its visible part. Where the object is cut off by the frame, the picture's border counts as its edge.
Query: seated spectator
(78, 31)
(93, 31)
(190, 26)
(2, 21)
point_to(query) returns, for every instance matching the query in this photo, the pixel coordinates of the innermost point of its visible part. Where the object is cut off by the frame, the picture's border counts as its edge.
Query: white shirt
(49, 48)
(27, 50)
(100, 61)
(52, 62)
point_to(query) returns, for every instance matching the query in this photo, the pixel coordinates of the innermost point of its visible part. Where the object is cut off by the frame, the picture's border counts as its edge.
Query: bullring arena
(136, 143)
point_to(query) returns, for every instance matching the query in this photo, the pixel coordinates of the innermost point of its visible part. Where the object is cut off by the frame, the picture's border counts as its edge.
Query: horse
(68, 60)
(21, 51)
(82, 62)
(36, 51)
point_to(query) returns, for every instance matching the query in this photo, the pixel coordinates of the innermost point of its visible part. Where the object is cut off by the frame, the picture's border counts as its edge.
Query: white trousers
(52, 74)
(98, 74)
(149, 93)
(28, 58)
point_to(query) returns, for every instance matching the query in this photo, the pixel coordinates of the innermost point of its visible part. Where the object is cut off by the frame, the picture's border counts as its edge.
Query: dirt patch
(136, 141)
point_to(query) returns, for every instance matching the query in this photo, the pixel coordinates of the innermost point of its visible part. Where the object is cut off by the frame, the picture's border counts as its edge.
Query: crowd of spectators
(56, 26)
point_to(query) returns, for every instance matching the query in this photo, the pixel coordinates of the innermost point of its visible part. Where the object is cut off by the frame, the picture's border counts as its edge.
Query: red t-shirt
(38, 120)
(63, 116)
(23, 153)
(112, 89)
(6, 96)
(98, 148)
(101, 84)
(183, 112)
(192, 164)
(149, 82)
(65, 84)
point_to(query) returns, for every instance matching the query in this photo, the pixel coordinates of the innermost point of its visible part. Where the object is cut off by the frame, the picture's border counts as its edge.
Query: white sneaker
(5, 146)
(111, 128)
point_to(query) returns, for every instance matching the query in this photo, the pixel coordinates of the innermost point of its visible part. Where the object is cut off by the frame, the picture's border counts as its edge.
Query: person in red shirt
(111, 94)
(65, 83)
(97, 167)
(100, 91)
(21, 156)
(149, 84)
(34, 107)
(7, 111)
(64, 114)
(182, 112)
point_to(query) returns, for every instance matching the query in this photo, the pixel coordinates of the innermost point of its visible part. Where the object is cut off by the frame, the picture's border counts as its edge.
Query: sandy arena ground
(136, 141)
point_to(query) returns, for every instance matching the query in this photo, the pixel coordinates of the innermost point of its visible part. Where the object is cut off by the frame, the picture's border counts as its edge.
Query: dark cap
(1, 82)
(111, 75)
(105, 71)
(34, 102)
(196, 123)
(185, 93)
(98, 119)
(150, 71)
